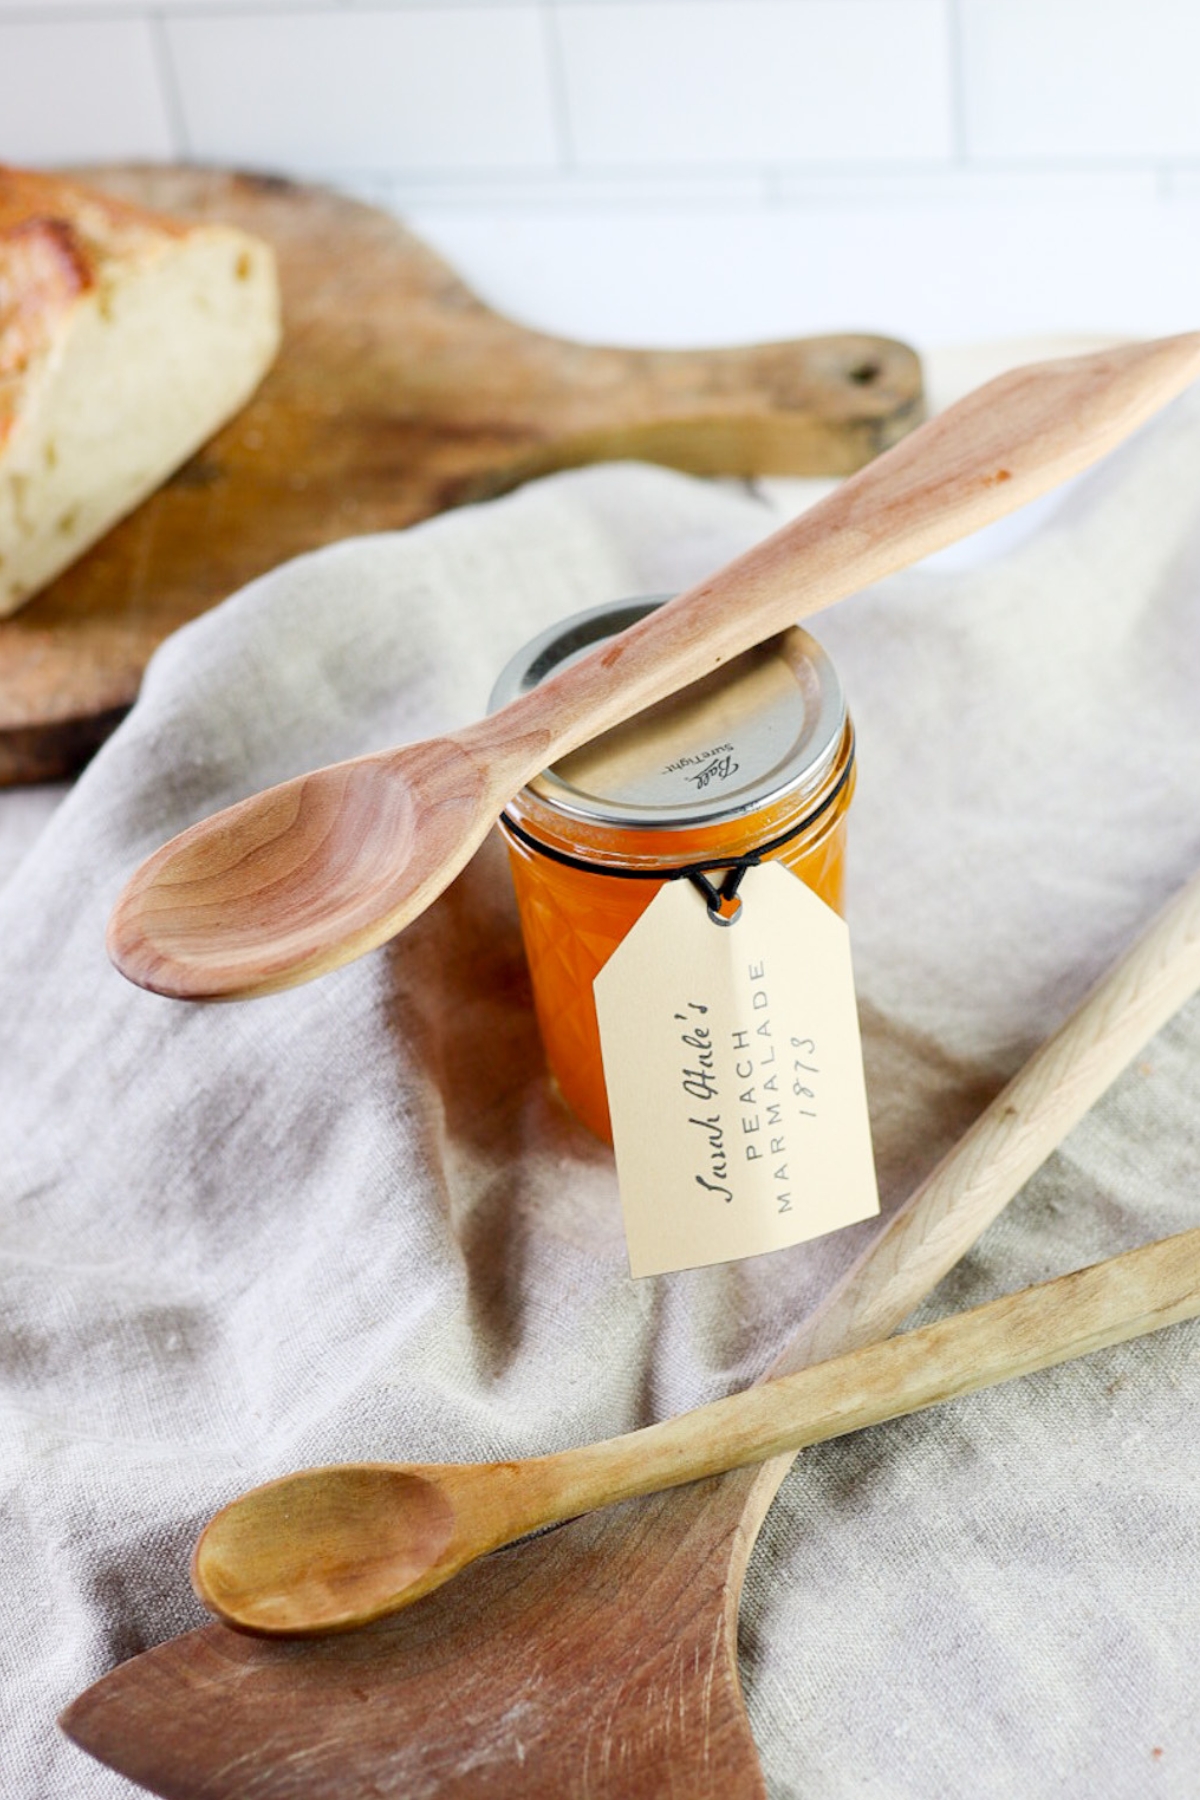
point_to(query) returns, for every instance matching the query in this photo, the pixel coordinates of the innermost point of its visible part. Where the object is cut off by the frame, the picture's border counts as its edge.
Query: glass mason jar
(755, 761)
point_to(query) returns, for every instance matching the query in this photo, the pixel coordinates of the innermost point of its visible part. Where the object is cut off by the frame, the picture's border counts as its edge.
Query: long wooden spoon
(599, 1662)
(332, 1548)
(295, 881)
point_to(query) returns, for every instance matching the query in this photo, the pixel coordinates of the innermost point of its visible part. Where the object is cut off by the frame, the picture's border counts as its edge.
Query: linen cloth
(353, 1220)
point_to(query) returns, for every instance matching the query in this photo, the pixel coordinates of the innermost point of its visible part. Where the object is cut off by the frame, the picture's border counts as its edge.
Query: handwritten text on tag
(734, 1074)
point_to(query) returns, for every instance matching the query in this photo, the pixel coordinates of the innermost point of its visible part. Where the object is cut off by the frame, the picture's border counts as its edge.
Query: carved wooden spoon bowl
(599, 1661)
(295, 881)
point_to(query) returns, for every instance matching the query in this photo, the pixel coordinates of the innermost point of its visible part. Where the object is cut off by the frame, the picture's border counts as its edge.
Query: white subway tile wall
(681, 171)
(725, 84)
(81, 88)
(446, 89)
(1081, 80)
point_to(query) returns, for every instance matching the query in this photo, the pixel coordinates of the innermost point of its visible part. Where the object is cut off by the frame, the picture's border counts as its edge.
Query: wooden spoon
(295, 881)
(598, 1662)
(332, 1548)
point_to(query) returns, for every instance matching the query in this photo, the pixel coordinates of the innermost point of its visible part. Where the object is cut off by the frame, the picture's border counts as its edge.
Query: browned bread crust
(126, 339)
(56, 241)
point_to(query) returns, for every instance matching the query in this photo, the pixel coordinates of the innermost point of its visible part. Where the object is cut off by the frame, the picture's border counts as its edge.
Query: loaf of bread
(126, 339)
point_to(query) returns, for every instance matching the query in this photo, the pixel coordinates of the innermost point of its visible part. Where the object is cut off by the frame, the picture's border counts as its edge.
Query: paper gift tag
(734, 1072)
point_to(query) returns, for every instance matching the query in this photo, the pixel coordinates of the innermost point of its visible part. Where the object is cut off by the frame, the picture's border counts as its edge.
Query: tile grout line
(116, 12)
(78, 12)
(887, 179)
(958, 87)
(788, 184)
(560, 97)
(168, 80)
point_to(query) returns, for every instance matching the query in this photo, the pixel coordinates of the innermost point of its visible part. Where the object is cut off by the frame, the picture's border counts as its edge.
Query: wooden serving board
(397, 395)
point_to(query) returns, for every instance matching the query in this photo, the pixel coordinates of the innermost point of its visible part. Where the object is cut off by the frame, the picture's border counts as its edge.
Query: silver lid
(769, 722)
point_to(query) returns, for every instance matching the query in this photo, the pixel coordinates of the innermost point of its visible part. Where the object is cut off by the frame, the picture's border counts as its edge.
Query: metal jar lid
(764, 725)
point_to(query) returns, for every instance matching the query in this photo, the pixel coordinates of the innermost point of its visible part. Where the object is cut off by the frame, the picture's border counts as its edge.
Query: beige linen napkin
(353, 1220)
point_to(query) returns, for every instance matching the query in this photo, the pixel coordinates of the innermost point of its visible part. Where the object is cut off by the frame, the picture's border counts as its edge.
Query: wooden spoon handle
(1126, 1296)
(1002, 445)
(936, 1226)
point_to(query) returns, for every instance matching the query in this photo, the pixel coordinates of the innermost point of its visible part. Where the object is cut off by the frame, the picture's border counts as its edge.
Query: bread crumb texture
(126, 339)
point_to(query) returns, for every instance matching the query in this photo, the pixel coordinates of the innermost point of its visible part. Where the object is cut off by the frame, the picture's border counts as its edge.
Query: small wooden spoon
(297, 880)
(329, 1549)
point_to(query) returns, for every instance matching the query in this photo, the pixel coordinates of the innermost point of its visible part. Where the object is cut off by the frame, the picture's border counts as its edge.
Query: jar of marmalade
(755, 761)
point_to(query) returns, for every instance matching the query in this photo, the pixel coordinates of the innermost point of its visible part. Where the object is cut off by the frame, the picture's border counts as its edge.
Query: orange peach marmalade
(573, 920)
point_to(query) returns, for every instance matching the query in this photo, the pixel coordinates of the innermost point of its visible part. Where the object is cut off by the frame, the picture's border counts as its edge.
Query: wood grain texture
(332, 1549)
(292, 883)
(397, 394)
(599, 1661)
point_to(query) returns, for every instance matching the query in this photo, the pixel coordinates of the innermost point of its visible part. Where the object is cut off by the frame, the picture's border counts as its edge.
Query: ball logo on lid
(719, 769)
